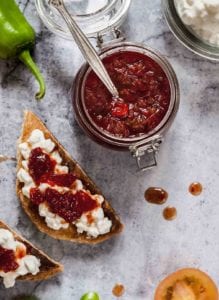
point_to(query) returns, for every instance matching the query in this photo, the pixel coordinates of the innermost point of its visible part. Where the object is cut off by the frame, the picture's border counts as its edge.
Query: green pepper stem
(26, 58)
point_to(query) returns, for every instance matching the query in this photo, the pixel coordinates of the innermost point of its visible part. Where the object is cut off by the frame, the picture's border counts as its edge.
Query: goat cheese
(202, 16)
(52, 220)
(99, 225)
(27, 264)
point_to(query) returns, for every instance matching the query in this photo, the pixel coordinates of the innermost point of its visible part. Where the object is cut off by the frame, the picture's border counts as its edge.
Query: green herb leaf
(90, 296)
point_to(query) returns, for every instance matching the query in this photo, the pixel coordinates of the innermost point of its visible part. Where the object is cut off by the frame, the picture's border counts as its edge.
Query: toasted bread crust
(48, 268)
(31, 122)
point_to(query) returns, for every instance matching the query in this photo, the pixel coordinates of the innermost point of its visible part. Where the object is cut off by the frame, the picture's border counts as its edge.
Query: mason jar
(145, 146)
(93, 16)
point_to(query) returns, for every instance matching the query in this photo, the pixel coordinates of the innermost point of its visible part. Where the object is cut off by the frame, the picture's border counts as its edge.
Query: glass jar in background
(145, 146)
(185, 35)
(93, 16)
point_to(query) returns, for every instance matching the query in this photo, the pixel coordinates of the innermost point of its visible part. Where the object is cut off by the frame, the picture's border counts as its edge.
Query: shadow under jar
(148, 103)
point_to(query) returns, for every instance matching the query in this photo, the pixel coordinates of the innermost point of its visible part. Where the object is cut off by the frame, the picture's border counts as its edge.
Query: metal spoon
(88, 51)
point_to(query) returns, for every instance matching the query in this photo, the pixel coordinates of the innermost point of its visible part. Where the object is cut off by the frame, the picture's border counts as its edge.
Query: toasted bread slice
(48, 267)
(31, 122)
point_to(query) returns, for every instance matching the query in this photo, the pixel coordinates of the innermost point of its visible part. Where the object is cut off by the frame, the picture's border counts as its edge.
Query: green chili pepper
(17, 37)
(90, 296)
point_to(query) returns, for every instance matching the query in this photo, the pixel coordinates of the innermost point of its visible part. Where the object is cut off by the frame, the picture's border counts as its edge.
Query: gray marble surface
(150, 247)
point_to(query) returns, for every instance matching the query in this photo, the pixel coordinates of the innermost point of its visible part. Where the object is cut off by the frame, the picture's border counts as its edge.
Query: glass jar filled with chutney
(148, 101)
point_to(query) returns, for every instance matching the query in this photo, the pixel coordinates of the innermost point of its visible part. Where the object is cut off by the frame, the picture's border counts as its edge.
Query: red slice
(187, 284)
(120, 110)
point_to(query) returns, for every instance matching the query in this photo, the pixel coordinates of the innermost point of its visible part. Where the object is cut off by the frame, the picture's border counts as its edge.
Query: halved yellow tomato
(187, 284)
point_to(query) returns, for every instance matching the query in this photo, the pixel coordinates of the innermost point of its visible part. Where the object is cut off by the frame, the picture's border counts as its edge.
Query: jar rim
(109, 138)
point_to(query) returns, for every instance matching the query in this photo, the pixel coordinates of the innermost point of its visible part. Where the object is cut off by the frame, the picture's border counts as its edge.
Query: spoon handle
(86, 47)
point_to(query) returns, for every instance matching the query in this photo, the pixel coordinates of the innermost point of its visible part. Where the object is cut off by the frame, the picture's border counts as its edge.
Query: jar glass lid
(93, 17)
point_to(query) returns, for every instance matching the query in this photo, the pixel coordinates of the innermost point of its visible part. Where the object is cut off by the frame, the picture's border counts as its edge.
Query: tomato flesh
(187, 284)
(120, 110)
(183, 291)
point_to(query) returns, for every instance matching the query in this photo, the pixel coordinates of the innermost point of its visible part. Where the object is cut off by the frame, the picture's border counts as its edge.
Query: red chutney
(65, 180)
(67, 205)
(20, 252)
(42, 167)
(7, 260)
(40, 164)
(144, 90)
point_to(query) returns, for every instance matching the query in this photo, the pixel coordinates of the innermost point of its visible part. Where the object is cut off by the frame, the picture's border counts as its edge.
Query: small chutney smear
(7, 260)
(144, 91)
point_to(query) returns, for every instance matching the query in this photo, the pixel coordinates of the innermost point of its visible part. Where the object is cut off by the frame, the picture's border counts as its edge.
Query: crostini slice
(60, 199)
(21, 260)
